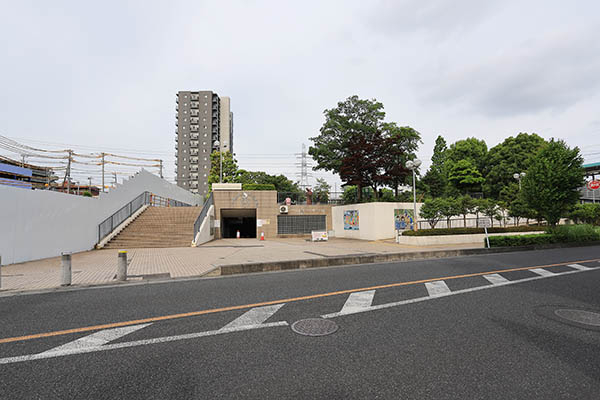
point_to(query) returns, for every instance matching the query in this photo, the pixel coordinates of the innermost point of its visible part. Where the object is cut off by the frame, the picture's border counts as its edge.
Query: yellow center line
(266, 303)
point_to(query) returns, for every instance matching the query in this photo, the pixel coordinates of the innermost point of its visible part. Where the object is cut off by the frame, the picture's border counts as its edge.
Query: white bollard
(66, 269)
(122, 266)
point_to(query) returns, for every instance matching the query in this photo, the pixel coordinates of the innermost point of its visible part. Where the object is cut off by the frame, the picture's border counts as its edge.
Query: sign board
(484, 222)
(319, 236)
(403, 219)
(259, 222)
(593, 185)
(351, 220)
(217, 223)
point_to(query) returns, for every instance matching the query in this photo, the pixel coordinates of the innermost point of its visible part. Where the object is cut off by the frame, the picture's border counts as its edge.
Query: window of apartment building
(204, 150)
(204, 143)
(205, 111)
(185, 104)
(205, 166)
(184, 167)
(206, 104)
(206, 96)
(185, 96)
(205, 175)
(203, 119)
(185, 120)
(185, 135)
(205, 182)
(184, 159)
(206, 135)
(204, 158)
(184, 150)
(205, 127)
(183, 183)
(185, 111)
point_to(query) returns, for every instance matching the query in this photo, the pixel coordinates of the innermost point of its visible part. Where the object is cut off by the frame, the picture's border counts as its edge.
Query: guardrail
(110, 223)
(209, 202)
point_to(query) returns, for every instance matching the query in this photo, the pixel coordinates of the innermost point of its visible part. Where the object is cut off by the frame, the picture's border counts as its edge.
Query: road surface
(515, 325)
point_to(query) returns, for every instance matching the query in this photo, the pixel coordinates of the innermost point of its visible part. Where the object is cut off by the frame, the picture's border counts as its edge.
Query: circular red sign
(593, 185)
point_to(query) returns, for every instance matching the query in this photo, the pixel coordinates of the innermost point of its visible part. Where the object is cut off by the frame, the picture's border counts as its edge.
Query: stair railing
(209, 202)
(145, 198)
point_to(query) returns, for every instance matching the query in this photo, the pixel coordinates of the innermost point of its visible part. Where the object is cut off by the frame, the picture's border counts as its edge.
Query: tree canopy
(365, 151)
(550, 186)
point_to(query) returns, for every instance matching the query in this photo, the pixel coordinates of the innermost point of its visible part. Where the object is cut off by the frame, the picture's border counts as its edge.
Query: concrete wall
(376, 220)
(37, 224)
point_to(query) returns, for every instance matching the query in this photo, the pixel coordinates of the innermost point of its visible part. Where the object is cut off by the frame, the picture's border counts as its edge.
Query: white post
(122, 266)
(487, 239)
(65, 269)
(414, 200)
(221, 166)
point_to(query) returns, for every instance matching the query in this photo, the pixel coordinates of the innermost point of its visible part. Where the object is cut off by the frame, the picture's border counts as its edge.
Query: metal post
(161, 167)
(65, 270)
(414, 200)
(221, 166)
(122, 266)
(102, 172)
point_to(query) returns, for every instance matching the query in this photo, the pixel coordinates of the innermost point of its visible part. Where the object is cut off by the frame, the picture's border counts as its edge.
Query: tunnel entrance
(242, 219)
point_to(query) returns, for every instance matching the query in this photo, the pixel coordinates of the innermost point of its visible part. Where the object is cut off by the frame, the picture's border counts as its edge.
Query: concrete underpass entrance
(242, 219)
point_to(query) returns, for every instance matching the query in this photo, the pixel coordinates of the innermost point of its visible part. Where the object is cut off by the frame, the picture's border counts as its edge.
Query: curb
(247, 268)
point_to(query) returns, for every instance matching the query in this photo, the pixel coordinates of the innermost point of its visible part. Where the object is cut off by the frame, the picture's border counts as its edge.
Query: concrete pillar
(122, 266)
(65, 270)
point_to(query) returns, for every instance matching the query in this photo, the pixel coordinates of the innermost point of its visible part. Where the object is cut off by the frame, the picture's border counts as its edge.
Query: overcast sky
(104, 74)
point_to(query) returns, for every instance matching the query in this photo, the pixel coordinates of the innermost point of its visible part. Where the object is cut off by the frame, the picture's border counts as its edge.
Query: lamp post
(519, 176)
(413, 165)
(217, 144)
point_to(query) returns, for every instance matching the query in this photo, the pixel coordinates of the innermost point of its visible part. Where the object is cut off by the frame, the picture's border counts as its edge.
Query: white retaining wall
(37, 224)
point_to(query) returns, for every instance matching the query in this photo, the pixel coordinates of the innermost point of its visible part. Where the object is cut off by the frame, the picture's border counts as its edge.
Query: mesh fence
(300, 224)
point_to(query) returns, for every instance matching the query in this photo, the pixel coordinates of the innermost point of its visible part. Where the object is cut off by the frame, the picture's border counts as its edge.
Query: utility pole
(90, 182)
(161, 168)
(102, 172)
(68, 172)
(115, 176)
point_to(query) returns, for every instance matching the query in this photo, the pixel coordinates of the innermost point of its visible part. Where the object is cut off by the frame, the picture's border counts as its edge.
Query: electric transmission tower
(304, 164)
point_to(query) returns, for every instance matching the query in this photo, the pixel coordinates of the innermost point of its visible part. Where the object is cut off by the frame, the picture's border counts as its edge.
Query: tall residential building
(202, 119)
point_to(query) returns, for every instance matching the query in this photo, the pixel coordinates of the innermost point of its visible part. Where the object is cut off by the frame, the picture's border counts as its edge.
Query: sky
(102, 76)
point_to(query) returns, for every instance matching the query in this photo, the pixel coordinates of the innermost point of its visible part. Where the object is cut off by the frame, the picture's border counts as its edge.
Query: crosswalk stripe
(97, 339)
(254, 316)
(358, 301)
(579, 267)
(437, 288)
(496, 279)
(542, 272)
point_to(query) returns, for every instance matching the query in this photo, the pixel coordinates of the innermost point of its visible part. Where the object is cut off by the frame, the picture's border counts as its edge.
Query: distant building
(202, 119)
(21, 174)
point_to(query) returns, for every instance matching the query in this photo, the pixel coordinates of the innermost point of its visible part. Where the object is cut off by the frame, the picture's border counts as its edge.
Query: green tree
(321, 191)
(489, 208)
(511, 156)
(230, 168)
(436, 178)
(465, 177)
(471, 149)
(399, 145)
(466, 205)
(551, 184)
(355, 143)
(431, 210)
(449, 208)
(587, 213)
(517, 209)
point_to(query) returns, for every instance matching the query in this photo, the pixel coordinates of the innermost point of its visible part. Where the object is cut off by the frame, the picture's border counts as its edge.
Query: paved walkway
(99, 266)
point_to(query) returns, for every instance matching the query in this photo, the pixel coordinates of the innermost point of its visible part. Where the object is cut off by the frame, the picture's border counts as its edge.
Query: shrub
(521, 240)
(471, 231)
(258, 186)
(587, 213)
(575, 233)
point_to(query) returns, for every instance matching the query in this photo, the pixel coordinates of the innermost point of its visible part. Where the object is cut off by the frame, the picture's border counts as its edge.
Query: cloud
(549, 74)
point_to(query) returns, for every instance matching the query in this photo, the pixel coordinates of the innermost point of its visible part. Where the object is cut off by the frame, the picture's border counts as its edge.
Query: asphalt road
(480, 333)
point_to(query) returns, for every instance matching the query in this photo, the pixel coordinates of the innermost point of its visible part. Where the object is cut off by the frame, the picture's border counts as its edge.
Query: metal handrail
(145, 198)
(209, 202)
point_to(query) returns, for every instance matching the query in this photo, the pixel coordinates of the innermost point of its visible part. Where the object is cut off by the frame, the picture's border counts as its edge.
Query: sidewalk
(99, 266)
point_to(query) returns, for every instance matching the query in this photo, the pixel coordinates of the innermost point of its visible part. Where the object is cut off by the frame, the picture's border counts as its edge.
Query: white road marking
(84, 350)
(474, 289)
(99, 338)
(254, 316)
(542, 272)
(496, 279)
(358, 301)
(579, 267)
(437, 288)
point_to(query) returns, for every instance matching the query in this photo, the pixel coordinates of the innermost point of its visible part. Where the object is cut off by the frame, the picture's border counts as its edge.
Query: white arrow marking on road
(437, 288)
(579, 267)
(542, 272)
(496, 279)
(358, 301)
(254, 316)
(97, 339)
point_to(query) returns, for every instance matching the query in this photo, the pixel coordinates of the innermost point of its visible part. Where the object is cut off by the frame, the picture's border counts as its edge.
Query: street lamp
(519, 176)
(413, 165)
(216, 144)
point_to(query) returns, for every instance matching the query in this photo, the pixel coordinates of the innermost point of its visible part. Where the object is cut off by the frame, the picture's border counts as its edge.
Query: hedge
(471, 231)
(258, 186)
(521, 240)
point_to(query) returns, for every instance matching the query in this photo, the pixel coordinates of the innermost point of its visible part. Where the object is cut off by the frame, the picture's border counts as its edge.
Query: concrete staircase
(158, 227)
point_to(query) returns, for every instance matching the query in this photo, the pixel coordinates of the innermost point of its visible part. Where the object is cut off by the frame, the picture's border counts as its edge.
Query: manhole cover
(314, 327)
(579, 316)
